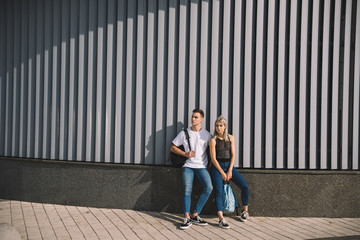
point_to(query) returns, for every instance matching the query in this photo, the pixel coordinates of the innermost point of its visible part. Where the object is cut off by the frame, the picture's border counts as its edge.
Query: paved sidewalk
(49, 221)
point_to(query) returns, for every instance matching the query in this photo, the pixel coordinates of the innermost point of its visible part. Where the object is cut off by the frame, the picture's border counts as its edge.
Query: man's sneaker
(187, 223)
(223, 223)
(198, 221)
(244, 216)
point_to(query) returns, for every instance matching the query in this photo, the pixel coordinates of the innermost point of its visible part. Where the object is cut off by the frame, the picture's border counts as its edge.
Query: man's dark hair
(198, 110)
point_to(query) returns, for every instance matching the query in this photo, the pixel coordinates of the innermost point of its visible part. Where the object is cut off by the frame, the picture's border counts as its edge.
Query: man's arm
(178, 151)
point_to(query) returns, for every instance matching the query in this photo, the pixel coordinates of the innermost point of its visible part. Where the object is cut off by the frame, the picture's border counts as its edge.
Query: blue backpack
(229, 200)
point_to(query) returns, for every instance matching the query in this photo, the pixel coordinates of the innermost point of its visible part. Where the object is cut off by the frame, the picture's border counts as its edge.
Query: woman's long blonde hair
(221, 119)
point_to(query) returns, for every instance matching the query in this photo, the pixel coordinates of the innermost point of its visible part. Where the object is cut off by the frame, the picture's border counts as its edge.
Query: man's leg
(187, 178)
(205, 180)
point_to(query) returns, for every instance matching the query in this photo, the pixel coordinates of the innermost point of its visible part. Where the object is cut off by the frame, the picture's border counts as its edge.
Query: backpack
(229, 200)
(178, 160)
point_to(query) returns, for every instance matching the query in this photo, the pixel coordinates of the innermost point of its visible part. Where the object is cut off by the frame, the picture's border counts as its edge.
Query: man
(196, 164)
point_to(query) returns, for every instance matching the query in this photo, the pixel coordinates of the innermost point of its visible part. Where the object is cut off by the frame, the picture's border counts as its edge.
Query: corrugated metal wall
(114, 81)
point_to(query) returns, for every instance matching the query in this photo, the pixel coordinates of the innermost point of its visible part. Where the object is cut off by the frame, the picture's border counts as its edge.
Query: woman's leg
(218, 187)
(204, 178)
(238, 179)
(187, 178)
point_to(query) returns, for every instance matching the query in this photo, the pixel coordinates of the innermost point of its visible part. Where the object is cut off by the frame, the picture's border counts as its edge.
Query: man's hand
(190, 154)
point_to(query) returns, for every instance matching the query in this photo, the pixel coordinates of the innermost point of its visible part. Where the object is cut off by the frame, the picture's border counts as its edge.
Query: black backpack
(178, 160)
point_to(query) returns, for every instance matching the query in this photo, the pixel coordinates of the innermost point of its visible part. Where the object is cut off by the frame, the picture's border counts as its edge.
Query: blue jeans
(205, 180)
(218, 185)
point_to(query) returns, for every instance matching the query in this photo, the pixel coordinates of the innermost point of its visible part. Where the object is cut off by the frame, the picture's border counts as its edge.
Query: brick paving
(50, 221)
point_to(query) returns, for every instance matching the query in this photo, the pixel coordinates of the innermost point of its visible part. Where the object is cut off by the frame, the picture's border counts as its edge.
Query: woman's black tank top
(223, 150)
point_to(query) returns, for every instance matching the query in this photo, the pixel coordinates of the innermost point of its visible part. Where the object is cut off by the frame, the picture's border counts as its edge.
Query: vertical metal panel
(31, 80)
(346, 88)
(171, 75)
(139, 137)
(270, 86)
(225, 79)
(116, 80)
(24, 78)
(356, 119)
(193, 54)
(64, 79)
(302, 84)
(314, 85)
(74, 8)
(181, 110)
(9, 78)
(16, 80)
(3, 73)
(101, 82)
(280, 135)
(150, 78)
(292, 78)
(325, 88)
(39, 77)
(47, 100)
(204, 57)
(160, 84)
(110, 75)
(335, 87)
(55, 79)
(237, 79)
(248, 79)
(120, 73)
(130, 80)
(215, 32)
(259, 79)
(82, 79)
(91, 82)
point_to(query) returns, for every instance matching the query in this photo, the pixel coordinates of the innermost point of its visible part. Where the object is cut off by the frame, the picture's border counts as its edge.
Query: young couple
(222, 152)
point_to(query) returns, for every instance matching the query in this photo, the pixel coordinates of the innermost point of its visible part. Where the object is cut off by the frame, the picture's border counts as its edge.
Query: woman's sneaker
(244, 216)
(198, 221)
(223, 223)
(186, 224)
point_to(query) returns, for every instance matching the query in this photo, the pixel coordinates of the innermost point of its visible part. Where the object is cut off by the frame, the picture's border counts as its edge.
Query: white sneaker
(197, 220)
(244, 216)
(223, 224)
(186, 224)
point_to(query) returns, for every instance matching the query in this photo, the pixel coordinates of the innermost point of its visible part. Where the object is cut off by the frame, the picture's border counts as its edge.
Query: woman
(222, 152)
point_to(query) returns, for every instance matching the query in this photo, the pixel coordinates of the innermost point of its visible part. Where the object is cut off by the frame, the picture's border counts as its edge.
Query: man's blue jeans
(205, 180)
(218, 185)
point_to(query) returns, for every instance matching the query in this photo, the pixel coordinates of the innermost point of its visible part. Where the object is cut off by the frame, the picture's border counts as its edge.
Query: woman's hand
(224, 176)
(228, 175)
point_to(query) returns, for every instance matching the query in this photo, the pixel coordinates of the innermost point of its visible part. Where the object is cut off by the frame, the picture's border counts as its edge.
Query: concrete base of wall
(275, 193)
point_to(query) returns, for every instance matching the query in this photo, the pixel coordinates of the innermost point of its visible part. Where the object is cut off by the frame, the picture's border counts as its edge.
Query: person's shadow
(161, 187)
(158, 144)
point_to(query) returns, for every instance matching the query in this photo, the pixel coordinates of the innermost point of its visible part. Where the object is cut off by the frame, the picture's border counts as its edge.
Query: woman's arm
(213, 158)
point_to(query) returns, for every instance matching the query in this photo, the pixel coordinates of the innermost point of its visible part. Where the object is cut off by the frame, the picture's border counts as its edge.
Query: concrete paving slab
(50, 221)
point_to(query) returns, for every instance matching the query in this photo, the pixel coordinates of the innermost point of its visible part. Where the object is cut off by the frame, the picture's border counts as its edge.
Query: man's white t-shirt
(199, 142)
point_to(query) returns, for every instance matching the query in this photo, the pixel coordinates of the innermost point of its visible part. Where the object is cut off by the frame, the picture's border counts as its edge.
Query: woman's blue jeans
(204, 178)
(218, 185)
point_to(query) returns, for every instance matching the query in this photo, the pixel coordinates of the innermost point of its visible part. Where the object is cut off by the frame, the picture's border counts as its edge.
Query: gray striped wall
(115, 80)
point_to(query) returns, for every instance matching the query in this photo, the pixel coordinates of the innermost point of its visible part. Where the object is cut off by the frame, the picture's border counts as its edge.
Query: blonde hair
(221, 119)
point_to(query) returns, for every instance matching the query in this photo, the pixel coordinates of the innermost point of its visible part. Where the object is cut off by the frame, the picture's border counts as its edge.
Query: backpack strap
(187, 137)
